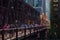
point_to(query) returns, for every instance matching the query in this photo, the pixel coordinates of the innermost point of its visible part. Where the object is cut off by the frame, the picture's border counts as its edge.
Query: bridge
(12, 10)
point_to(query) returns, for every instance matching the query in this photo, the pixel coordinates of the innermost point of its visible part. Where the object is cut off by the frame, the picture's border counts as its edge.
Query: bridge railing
(13, 33)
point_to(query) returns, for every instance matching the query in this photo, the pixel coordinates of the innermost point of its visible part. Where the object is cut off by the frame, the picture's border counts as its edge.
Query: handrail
(34, 28)
(22, 28)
